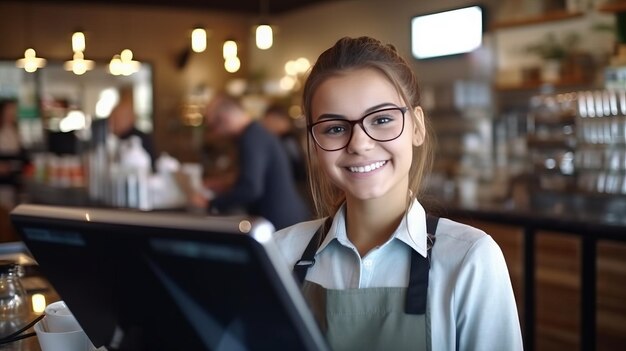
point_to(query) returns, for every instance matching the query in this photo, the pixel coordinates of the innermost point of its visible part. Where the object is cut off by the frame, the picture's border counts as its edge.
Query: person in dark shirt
(264, 185)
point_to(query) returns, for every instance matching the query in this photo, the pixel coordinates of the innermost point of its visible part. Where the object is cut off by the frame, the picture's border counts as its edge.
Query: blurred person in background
(12, 154)
(278, 121)
(264, 185)
(121, 123)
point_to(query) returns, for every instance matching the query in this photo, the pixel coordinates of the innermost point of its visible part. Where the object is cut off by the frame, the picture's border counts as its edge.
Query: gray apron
(372, 318)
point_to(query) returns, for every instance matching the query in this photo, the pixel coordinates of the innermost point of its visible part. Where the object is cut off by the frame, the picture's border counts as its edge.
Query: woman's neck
(370, 223)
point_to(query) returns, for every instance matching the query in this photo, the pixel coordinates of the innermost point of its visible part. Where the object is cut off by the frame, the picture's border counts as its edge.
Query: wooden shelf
(542, 18)
(612, 7)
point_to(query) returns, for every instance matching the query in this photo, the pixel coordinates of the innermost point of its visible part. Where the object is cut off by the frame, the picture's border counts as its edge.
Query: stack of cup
(59, 330)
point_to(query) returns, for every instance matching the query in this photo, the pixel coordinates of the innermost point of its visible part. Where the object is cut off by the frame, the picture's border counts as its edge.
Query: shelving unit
(577, 143)
(551, 141)
(529, 144)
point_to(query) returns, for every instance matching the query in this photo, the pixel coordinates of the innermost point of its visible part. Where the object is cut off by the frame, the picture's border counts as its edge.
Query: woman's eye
(334, 130)
(382, 119)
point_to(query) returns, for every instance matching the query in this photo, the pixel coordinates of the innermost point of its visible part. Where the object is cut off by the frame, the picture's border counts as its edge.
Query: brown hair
(349, 54)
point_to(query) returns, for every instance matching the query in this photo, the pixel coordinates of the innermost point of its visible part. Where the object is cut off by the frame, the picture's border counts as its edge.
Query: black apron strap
(417, 292)
(308, 257)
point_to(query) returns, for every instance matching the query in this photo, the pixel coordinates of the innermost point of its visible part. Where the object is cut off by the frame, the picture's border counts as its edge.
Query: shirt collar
(411, 231)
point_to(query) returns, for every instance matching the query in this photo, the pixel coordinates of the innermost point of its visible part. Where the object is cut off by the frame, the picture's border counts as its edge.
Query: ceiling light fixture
(78, 65)
(232, 64)
(30, 62)
(123, 64)
(229, 49)
(198, 39)
(231, 61)
(78, 41)
(264, 36)
(264, 33)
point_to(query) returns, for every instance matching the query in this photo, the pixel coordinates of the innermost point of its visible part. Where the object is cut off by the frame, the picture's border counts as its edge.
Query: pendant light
(78, 65)
(229, 49)
(264, 36)
(123, 64)
(231, 61)
(232, 64)
(198, 39)
(30, 62)
(78, 41)
(264, 33)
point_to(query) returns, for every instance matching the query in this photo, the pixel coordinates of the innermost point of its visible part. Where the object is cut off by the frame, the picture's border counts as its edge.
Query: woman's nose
(359, 140)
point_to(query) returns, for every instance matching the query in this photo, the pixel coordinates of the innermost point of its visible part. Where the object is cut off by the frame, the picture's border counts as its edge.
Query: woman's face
(366, 169)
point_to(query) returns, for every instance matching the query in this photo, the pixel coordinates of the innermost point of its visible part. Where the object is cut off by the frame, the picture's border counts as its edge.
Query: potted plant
(553, 51)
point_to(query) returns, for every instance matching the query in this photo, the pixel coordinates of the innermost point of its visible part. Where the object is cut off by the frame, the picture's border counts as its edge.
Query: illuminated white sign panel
(447, 33)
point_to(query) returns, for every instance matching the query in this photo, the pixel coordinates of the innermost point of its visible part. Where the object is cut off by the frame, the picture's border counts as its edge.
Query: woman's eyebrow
(331, 116)
(369, 110)
(379, 106)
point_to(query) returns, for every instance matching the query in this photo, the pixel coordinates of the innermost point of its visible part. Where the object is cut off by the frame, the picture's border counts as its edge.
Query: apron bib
(381, 318)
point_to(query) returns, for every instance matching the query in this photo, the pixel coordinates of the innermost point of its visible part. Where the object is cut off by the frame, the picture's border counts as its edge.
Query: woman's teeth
(367, 168)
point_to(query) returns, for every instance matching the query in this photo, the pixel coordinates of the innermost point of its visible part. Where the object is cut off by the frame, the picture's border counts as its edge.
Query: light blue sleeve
(486, 313)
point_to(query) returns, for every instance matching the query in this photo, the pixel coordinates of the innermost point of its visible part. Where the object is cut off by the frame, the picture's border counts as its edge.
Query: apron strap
(417, 292)
(308, 257)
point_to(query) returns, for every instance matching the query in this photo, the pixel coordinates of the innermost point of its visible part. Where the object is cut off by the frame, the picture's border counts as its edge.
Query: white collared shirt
(470, 298)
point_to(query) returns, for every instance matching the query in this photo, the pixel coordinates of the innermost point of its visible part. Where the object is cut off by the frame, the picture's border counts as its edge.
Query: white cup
(68, 341)
(59, 319)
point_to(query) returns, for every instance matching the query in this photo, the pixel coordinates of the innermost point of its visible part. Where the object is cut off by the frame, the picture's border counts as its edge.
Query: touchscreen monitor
(169, 281)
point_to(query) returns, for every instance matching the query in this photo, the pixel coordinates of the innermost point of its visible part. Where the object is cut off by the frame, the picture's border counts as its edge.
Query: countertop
(600, 215)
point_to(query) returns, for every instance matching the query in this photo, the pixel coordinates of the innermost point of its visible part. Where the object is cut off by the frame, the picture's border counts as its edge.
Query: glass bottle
(13, 299)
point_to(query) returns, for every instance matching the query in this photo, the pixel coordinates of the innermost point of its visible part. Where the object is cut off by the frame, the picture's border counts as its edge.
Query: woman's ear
(419, 129)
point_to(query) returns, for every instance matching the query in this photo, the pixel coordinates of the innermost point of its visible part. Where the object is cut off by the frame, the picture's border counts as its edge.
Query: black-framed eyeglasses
(381, 125)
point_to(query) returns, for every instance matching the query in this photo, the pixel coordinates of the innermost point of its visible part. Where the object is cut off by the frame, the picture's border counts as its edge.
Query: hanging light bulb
(130, 66)
(126, 55)
(115, 66)
(232, 64)
(78, 65)
(78, 41)
(123, 64)
(264, 37)
(229, 49)
(30, 63)
(198, 40)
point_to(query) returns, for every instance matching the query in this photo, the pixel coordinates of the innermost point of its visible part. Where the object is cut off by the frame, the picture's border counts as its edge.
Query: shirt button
(367, 263)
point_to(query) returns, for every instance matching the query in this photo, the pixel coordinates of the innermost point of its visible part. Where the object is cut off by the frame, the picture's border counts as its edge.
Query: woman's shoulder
(456, 240)
(292, 241)
(458, 231)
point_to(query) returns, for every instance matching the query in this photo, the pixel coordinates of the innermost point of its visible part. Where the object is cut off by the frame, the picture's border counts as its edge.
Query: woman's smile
(367, 168)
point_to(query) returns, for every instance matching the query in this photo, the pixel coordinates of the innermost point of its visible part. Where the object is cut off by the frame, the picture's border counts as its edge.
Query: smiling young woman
(378, 272)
